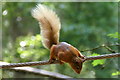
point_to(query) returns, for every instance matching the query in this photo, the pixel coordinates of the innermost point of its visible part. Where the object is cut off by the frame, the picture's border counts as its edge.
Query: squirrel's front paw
(51, 60)
(61, 62)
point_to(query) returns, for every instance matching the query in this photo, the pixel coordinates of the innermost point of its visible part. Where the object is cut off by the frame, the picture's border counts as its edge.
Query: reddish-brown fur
(50, 27)
(67, 53)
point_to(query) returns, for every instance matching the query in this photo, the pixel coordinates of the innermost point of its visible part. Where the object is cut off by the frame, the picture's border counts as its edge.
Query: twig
(106, 46)
(109, 49)
(11, 65)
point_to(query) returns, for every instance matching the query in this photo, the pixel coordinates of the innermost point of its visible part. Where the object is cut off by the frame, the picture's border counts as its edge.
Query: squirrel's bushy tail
(49, 24)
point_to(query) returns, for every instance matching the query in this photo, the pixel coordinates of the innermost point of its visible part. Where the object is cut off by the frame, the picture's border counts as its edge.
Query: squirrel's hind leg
(60, 56)
(52, 54)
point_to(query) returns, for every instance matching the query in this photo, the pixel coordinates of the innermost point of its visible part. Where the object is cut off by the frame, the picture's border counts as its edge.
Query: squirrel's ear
(77, 67)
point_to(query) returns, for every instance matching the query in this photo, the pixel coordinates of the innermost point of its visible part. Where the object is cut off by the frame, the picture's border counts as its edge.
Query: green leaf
(114, 35)
(97, 62)
(38, 37)
(94, 54)
(116, 73)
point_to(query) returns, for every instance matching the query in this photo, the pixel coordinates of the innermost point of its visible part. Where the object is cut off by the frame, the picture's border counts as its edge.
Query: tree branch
(105, 46)
(41, 72)
(103, 56)
(11, 65)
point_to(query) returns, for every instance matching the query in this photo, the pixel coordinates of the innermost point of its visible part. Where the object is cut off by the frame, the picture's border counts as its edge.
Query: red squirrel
(50, 28)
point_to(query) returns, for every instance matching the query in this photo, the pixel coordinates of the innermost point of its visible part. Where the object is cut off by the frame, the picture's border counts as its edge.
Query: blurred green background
(84, 25)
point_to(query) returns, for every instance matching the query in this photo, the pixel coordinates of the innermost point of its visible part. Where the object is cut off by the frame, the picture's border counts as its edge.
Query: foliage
(84, 25)
(114, 35)
(97, 62)
(116, 73)
(30, 48)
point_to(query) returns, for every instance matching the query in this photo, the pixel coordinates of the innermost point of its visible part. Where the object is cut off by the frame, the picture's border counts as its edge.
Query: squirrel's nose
(78, 72)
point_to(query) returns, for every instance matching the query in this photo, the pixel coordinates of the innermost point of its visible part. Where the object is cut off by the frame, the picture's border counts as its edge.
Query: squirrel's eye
(76, 62)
